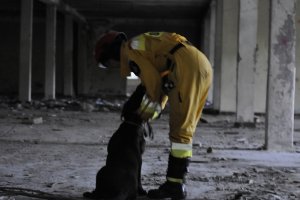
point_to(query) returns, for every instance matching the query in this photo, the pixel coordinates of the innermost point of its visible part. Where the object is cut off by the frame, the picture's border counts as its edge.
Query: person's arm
(154, 100)
(148, 74)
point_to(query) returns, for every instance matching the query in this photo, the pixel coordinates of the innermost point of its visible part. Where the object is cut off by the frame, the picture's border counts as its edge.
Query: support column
(209, 39)
(82, 60)
(50, 52)
(225, 68)
(297, 92)
(68, 57)
(246, 61)
(281, 77)
(261, 68)
(212, 32)
(26, 50)
(217, 61)
(206, 34)
(211, 43)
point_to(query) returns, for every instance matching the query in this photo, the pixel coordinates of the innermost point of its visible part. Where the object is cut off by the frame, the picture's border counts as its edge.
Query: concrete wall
(209, 40)
(281, 77)
(229, 63)
(108, 81)
(246, 60)
(261, 68)
(98, 81)
(191, 29)
(9, 53)
(59, 54)
(297, 92)
(38, 58)
(225, 71)
(102, 81)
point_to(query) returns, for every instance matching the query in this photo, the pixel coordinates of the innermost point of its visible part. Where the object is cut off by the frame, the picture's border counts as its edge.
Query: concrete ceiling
(131, 16)
(98, 10)
(135, 16)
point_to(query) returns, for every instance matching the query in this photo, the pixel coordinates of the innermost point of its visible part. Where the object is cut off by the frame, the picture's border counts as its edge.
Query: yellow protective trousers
(192, 76)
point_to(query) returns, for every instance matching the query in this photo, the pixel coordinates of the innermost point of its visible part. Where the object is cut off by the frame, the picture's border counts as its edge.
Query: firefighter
(171, 69)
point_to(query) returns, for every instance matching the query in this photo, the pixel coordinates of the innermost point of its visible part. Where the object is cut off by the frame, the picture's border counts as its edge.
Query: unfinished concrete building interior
(58, 110)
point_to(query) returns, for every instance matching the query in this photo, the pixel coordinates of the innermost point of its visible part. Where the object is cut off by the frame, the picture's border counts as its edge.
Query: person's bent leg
(193, 77)
(174, 187)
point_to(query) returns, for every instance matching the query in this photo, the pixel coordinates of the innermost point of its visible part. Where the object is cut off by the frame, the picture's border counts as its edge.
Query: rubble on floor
(53, 150)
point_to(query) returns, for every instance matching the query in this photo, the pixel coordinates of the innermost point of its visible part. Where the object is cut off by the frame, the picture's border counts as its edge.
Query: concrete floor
(55, 154)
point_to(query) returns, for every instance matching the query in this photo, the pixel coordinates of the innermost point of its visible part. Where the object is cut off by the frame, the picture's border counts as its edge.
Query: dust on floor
(55, 153)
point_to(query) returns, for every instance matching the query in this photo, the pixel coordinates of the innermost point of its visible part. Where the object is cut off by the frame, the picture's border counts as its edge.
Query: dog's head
(129, 111)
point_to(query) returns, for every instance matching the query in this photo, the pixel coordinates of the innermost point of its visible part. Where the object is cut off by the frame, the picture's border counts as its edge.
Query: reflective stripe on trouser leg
(180, 150)
(179, 159)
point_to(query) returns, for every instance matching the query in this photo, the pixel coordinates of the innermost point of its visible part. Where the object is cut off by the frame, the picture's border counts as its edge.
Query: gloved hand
(148, 109)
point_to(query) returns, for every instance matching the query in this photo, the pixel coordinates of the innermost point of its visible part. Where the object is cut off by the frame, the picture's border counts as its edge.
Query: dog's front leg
(141, 191)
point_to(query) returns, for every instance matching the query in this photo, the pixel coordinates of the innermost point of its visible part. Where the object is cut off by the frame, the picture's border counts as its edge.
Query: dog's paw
(90, 195)
(142, 192)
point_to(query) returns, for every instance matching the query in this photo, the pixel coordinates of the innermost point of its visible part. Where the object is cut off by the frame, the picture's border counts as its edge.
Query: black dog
(120, 178)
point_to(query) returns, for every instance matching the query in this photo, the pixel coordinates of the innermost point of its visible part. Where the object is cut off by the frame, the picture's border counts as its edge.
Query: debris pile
(68, 104)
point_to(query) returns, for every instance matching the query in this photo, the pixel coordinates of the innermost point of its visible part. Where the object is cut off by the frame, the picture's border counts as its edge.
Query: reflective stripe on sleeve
(180, 150)
(149, 109)
(138, 43)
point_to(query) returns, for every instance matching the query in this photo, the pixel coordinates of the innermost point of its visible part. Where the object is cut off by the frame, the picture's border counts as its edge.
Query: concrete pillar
(209, 39)
(82, 60)
(246, 60)
(225, 70)
(212, 31)
(50, 52)
(261, 67)
(68, 57)
(212, 43)
(217, 61)
(206, 34)
(281, 77)
(26, 50)
(297, 92)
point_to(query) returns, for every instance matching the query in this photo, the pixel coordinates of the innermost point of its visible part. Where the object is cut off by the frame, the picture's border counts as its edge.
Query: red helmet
(104, 48)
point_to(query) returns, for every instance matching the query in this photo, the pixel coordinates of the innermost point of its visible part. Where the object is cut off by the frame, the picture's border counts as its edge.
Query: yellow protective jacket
(149, 51)
(191, 75)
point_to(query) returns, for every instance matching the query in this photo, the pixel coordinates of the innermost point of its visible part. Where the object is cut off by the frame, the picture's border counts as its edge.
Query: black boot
(175, 191)
(91, 195)
(174, 187)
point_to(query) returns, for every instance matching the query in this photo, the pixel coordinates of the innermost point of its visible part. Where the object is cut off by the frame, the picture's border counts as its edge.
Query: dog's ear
(134, 101)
